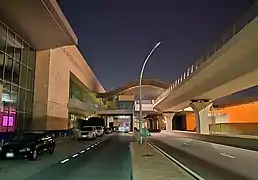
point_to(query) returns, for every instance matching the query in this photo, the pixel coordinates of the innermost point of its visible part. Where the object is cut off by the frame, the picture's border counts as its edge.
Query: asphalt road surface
(107, 160)
(21, 169)
(209, 160)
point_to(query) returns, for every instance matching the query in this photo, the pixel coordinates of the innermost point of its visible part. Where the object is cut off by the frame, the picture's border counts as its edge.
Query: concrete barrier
(240, 142)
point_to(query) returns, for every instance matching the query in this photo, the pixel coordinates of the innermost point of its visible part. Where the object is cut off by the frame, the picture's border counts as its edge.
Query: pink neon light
(5, 121)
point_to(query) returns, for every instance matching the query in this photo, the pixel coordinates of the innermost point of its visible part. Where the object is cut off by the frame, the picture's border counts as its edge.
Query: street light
(140, 91)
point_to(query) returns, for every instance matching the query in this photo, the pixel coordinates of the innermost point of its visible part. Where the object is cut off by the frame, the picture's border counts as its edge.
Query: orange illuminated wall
(245, 113)
(190, 122)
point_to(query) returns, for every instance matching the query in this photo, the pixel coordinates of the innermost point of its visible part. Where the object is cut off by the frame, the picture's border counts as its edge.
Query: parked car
(108, 130)
(100, 130)
(87, 132)
(28, 145)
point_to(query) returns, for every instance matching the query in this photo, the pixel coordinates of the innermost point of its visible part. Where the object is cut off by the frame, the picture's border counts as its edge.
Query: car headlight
(25, 150)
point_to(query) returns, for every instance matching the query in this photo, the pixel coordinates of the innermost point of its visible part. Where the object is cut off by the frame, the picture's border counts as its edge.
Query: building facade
(65, 89)
(44, 80)
(17, 67)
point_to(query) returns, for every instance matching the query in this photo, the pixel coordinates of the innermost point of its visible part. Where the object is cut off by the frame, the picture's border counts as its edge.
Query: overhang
(76, 106)
(151, 88)
(116, 112)
(39, 22)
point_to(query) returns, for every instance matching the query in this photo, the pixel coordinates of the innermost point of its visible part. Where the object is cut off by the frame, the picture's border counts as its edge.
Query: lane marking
(92, 146)
(64, 161)
(88, 149)
(233, 157)
(191, 172)
(75, 155)
(96, 144)
(82, 151)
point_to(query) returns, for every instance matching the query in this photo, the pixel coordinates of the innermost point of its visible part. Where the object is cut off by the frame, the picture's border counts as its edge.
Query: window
(21, 106)
(3, 31)
(18, 49)
(6, 98)
(23, 76)
(8, 68)
(17, 64)
(2, 56)
(28, 101)
(30, 79)
(16, 72)
(10, 43)
(14, 98)
(25, 54)
(31, 58)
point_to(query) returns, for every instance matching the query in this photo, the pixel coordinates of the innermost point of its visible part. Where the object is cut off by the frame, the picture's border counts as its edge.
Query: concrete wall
(53, 68)
(190, 122)
(235, 128)
(238, 119)
(244, 113)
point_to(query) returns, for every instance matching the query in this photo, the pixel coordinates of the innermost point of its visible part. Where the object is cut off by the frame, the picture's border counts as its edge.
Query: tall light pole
(140, 90)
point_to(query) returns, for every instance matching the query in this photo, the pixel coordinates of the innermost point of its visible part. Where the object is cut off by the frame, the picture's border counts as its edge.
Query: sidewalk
(149, 164)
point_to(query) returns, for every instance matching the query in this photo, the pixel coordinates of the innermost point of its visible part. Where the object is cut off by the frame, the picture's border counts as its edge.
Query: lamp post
(140, 91)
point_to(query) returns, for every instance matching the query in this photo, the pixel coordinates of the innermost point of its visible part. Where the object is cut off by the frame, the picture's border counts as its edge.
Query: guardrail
(237, 27)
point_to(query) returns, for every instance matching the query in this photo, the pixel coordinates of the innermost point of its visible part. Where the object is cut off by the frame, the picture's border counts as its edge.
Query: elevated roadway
(230, 67)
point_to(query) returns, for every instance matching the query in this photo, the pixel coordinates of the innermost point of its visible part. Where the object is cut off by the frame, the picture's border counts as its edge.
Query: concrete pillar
(201, 110)
(168, 118)
(148, 123)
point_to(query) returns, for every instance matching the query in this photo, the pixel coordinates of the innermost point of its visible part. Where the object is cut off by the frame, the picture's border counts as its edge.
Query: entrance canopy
(39, 22)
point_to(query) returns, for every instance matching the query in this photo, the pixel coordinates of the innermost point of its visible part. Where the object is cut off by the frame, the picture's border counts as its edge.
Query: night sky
(115, 36)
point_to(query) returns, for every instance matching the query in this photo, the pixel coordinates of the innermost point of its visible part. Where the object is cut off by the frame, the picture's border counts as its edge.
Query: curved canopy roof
(151, 89)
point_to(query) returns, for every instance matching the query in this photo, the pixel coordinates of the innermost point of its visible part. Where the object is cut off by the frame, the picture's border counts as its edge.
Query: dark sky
(115, 36)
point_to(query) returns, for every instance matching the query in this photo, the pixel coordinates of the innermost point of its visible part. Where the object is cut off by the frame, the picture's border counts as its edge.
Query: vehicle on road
(100, 131)
(28, 145)
(87, 132)
(108, 130)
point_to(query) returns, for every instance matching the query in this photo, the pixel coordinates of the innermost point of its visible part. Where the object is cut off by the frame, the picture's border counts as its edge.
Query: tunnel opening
(179, 122)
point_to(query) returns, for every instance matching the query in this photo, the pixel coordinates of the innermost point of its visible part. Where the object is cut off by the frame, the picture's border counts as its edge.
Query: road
(211, 161)
(22, 169)
(109, 160)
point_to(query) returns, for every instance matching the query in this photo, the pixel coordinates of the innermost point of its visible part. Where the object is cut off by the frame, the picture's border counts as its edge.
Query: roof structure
(151, 89)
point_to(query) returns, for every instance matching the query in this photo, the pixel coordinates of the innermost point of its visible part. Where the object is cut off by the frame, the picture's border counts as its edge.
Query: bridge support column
(169, 118)
(201, 110)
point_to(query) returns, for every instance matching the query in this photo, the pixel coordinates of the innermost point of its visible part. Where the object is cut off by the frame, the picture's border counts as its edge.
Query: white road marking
(233, 157)
(194, 174)
(92, 146)
(88, 149)
(64, 161)
(82, 151)
(96, 144)
(75, 155)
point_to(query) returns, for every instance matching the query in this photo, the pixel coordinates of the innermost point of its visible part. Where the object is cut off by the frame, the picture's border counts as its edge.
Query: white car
(100, 130)
(87, 132)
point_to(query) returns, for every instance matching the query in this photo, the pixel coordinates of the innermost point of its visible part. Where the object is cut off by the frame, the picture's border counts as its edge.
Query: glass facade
(17, 68)
(125, 104)
(79, 93)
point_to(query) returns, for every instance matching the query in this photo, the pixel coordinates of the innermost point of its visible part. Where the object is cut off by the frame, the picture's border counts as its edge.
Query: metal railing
(237, 27)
